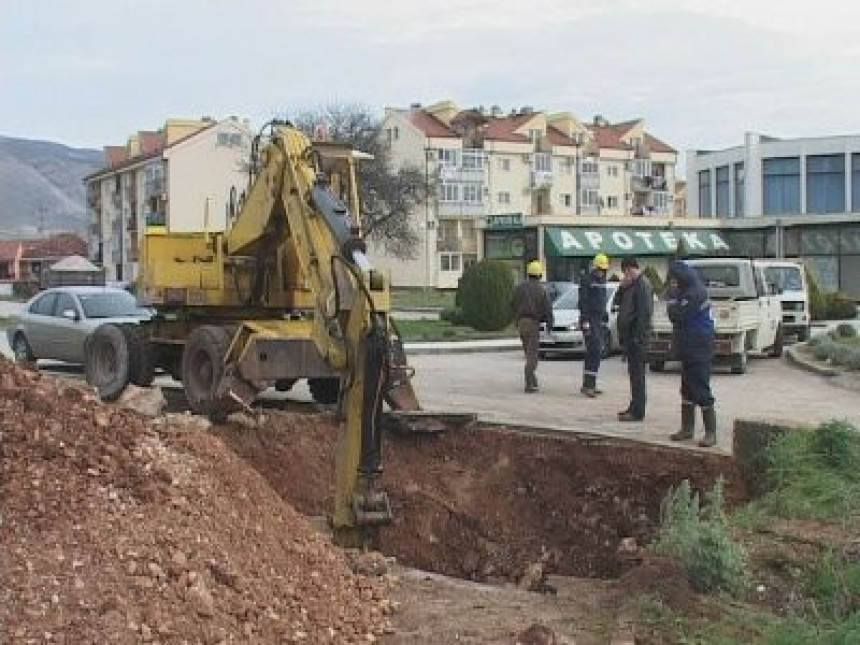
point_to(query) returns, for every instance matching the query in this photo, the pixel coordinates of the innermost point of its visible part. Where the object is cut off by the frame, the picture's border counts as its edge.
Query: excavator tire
(203, 368)
(141, 363)
(324, 390)
(106, 361)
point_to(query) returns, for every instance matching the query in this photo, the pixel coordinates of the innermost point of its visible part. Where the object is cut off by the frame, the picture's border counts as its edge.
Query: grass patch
(421, 298)
(442, 330)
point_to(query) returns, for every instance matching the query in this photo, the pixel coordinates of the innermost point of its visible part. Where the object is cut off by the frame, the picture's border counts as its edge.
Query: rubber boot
(688, 423)
(709, 418)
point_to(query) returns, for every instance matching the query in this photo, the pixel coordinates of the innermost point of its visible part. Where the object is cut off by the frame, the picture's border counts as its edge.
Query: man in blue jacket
(592, 321)
(690, 312)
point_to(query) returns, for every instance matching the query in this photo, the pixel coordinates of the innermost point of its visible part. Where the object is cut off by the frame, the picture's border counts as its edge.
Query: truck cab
(793, 294)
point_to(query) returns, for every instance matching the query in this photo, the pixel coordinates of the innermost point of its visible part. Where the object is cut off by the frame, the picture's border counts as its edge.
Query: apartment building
(507, 185)
(795, 198)
(179, 176)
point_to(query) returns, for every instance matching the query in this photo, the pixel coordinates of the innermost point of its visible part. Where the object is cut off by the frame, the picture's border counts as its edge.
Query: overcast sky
(700, 72)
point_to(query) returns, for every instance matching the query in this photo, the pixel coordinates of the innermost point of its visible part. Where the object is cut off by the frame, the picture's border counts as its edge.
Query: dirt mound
(661, 578)
(490, 504)
(118, 529)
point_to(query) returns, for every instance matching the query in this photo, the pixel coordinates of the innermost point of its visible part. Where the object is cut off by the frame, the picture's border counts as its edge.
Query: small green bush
(821, 350)
(839, 354)
(838, 306)
(846, 330)
(699, 538)
(836, 443)
(834, 585)
(654, 278)
(453, 315)
(816, 340)
(854, 360)
(486, 294)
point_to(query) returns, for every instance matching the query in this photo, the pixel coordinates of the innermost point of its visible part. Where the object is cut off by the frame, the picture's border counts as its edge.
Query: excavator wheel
(203, 369)
(106, 361)
(324, 390)
(141, 364)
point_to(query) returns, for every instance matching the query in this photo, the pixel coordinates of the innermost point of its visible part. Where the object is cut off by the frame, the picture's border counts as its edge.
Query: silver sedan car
(56, 323)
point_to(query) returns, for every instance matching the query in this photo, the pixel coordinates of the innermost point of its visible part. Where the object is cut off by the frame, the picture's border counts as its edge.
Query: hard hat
(601, 261)
(535, 268)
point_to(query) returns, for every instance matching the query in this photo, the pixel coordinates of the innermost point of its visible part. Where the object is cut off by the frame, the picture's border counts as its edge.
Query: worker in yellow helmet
(532, 307)
(593, 319)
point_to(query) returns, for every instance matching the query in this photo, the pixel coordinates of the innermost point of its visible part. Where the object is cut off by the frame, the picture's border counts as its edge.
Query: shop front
(509, 242)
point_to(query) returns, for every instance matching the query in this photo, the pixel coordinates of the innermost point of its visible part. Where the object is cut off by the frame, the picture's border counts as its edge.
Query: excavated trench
(486, 503)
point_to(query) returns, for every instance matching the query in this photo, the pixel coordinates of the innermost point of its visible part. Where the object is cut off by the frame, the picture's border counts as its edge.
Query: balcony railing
(461, 208)
(648, 183)
(541, 178)
(461, 173)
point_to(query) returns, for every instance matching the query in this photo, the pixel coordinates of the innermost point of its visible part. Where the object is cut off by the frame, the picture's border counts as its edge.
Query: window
(504, 197)
(505, 164)
(589, 166)
(641, 168)
(855, 182)
(612, 170)
(235, 140)
(473, 159)
(589, 197)
(469, 259)
(44, 306)
(447, 231)
(449, 261)
(108, 304)
(565, 199)
(612, 202)
(223, 139)
(825, 184)
(543, 162)
(534, 135)
(64, 303)
(739, 189)
(781, 185)
(717, 275)
(448, 157)
(396, 133)
(449, 192)
(705, 193)
(722, 177)
(473, 193)
(660, 199)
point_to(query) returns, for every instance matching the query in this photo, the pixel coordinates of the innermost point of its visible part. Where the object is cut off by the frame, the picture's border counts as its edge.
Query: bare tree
(389, 196)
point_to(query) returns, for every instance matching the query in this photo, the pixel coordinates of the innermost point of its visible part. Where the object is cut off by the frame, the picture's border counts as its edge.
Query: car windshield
(786, 278)
(109, 305)
(568, 300)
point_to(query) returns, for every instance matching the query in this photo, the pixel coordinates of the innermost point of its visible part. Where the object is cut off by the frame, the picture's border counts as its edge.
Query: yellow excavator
(286, 292)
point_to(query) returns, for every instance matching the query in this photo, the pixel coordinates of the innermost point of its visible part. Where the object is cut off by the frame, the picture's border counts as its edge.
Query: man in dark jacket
(592, 321)
(634, 331)
(690, 312)
(532, 307)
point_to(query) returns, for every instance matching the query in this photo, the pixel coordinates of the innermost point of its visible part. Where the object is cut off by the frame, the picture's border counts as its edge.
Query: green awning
(564, 241)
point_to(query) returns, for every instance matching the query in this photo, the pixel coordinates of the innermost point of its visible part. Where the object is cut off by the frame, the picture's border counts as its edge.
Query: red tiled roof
(115, 155)
(608, 137)
(56, 246)
(558, 138)
(9, 250)
(151, 142)
(655, 145)
(502, 129)
(431, 126)
(625, 126)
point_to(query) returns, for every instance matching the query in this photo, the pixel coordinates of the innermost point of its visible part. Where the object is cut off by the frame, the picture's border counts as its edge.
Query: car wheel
(21, 349)
(776, 348)
(106, 362)
(324, 390)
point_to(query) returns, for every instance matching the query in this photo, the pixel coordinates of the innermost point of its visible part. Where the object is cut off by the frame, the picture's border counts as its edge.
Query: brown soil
(118, 529)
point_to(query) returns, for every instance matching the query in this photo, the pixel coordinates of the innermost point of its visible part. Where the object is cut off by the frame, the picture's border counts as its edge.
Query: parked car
(56, 323)
(566, 337)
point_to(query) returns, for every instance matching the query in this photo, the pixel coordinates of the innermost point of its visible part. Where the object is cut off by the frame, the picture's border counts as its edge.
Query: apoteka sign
(567, 242)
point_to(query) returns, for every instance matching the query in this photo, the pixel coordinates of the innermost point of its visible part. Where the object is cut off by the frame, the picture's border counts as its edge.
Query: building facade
(795, 198)
(499, 183)
(180, 176)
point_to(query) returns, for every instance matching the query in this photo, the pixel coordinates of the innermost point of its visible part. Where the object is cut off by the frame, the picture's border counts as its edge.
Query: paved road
(492, 386)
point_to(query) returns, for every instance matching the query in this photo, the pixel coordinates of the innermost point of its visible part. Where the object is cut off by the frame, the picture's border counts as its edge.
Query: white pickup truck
(745, 308)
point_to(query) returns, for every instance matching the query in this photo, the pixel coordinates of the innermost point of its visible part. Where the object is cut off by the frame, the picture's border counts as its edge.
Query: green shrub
(816, 300)
(486, 294)
(834, 585)
(838, 306)
(24, 289)
(821, 350)
(846, 330)
(854, 360)
(836, 443)
(816, 340)
(453, 315)
(839, 354)
(654, 278)
(699, 538)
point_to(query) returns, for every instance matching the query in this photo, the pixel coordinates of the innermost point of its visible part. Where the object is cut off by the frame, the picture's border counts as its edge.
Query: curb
(792, 356)
(418, 349)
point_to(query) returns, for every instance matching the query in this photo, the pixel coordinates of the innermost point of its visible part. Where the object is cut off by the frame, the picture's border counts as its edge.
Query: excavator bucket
(426, 422)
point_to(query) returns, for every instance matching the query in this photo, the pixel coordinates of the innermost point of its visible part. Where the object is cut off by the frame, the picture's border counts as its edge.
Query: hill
(41, 184)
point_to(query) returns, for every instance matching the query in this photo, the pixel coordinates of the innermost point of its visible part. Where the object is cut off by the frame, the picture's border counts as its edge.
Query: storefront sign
(506, 220)
(573, 242)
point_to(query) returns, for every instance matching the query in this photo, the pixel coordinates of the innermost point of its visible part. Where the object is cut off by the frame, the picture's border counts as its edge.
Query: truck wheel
(141, 357)
(284, 384)
(739, 363)
(657, 366)
(106, 361)
(203, 368)
(776, 348)
(324, 390)
(21, 349)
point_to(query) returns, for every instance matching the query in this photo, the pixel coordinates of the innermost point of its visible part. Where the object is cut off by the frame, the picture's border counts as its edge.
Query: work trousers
(593, 337)
(636, 358)
(696, 383)
(530, 336)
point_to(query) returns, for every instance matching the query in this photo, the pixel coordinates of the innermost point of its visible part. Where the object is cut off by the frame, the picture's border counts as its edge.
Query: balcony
(461, 209)
(541, 179)
(153, 187)
(648, 183)
(156, 219)
(462, 173)
(589, 180)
